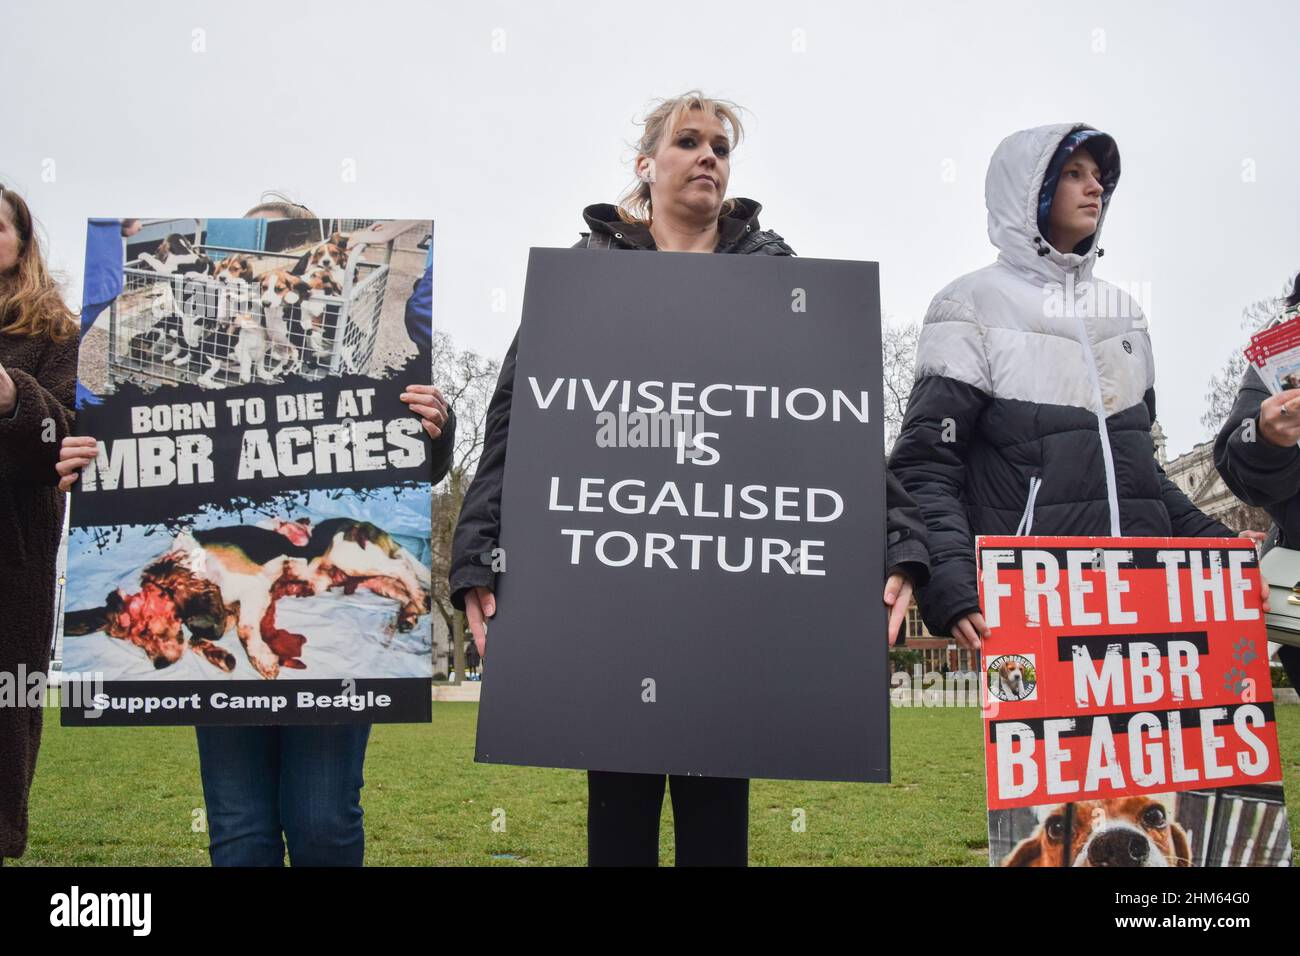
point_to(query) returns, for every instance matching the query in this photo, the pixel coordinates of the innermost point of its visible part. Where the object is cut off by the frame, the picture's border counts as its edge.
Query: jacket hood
(1011, 193)
(732, 227)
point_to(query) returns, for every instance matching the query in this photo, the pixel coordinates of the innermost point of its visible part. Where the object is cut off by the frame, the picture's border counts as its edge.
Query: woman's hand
(971, 630)
(480, 604)
(75, 453)
(8, 393)
(898, 597)
(1279, 418)
(427, 402)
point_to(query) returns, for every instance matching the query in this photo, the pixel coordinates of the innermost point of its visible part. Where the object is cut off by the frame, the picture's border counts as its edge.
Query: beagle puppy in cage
(330, 254)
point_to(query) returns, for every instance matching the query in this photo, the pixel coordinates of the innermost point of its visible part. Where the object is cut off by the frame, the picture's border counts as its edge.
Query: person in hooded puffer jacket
(1033, 397)
(683, 168)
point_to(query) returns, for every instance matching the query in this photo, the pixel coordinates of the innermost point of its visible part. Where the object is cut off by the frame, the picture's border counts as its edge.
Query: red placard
(1122, 666)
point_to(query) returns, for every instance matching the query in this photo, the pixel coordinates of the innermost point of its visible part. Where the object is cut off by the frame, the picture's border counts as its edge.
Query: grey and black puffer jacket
(1033, 397)
(478, 529)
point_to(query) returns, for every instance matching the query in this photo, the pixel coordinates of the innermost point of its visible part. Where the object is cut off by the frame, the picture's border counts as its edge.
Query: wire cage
(1236, 826)
(215, 328)
(349, 225)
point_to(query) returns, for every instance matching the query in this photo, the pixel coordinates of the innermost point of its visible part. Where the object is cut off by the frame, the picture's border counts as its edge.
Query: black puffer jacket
(1034, 396)
(478, 529)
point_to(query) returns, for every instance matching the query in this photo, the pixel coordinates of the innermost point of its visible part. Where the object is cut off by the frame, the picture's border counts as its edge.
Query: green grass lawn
(130, 797)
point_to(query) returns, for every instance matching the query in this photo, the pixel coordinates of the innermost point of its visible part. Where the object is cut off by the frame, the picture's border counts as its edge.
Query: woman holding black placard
(677, 204)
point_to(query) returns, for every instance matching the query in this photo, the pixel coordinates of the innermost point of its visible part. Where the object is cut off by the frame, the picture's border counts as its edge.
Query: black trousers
(710, 819)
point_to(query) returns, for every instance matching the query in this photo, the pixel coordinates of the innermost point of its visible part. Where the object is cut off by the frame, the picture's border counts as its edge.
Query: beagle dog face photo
(232, 269)
(330, 254)
(279, 288)
(1011, 677)
(1134, 831)
(322, 282)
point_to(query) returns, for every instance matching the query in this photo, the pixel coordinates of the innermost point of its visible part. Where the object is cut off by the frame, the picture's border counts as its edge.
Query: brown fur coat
(31, 523)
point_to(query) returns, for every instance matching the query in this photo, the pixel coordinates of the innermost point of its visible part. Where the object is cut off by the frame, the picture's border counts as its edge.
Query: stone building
(938, 654)
(1195, 474)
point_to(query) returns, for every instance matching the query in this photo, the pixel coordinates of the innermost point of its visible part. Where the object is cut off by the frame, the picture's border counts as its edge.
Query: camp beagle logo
(1013, 677)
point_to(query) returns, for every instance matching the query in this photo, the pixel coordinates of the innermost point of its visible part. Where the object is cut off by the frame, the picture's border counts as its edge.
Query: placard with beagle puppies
(252, 543)
(1128, 704)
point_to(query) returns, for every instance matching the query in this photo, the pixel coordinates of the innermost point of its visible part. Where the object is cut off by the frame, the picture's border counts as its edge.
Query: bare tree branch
(468, 381)
(1222, 390)
(898, 354)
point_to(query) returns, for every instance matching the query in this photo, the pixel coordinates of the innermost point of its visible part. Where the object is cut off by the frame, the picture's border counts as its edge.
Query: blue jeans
(304, 782)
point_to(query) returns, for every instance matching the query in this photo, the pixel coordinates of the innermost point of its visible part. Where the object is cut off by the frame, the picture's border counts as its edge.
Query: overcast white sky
(502, 120)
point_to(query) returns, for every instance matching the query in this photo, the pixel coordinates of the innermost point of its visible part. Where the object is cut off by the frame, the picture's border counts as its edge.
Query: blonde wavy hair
(31, 302)
(663, 120)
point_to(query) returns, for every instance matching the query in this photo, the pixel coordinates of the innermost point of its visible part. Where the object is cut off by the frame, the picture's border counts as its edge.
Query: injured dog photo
(1227, 826)
(307, 591)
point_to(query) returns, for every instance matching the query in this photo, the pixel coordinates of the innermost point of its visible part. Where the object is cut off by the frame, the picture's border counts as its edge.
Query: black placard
(757, 672)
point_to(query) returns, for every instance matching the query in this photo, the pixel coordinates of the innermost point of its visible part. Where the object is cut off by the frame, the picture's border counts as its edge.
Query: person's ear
(645, 169)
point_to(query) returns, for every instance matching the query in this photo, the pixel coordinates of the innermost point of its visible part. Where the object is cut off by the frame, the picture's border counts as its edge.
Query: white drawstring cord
(1026, 525)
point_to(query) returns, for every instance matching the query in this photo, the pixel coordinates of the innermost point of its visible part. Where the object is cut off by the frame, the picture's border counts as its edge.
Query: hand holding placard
(898, 595)
(480, 604)
(8, 393)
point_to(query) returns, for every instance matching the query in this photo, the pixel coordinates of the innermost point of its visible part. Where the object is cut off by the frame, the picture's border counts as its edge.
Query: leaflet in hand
(1275, 354)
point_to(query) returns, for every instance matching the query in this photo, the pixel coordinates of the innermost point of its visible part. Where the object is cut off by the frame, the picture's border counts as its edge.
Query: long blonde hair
(31, 303)
(634, 205)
